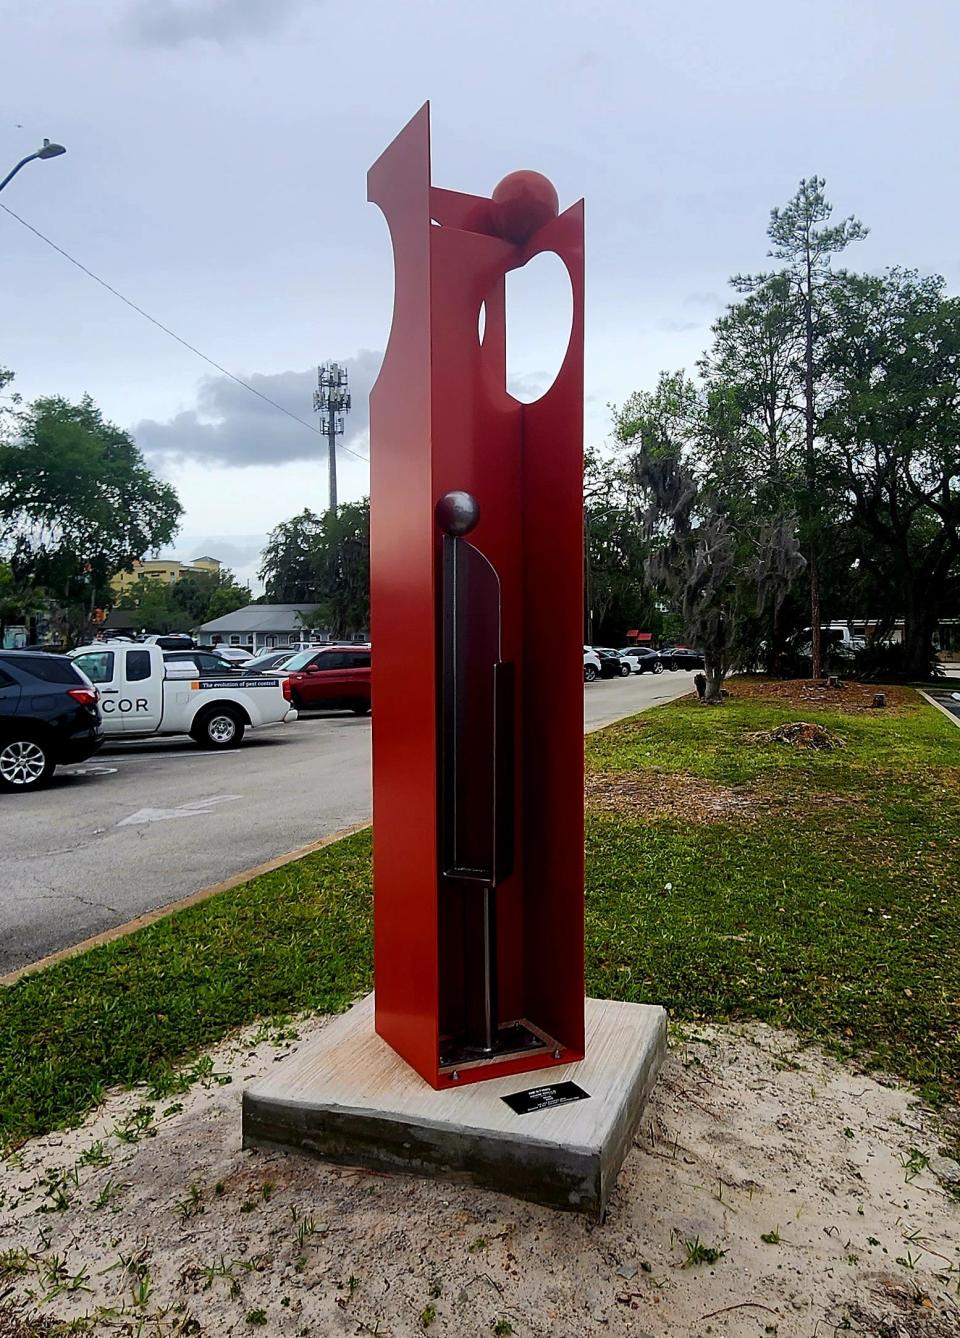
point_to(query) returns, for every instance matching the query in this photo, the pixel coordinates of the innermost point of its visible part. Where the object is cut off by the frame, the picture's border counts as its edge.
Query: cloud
(231, 427)
(530, 386)
(700, 309)
(713, 302)
(172, 23)
(672, 326)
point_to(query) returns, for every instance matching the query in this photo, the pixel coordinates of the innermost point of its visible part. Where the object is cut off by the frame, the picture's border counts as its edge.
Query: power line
(173, 335)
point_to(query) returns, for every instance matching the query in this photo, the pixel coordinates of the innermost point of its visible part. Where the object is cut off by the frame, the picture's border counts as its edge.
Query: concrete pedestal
(348, 1098)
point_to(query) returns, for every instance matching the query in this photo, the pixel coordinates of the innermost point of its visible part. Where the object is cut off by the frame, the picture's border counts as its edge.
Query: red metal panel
(441, 420)
(552, 576)
(402, 608)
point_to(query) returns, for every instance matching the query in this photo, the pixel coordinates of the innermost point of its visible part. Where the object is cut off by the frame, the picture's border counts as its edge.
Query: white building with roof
(263, 627)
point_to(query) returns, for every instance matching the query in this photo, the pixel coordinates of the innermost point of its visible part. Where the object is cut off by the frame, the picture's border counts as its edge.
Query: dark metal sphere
(457, 513)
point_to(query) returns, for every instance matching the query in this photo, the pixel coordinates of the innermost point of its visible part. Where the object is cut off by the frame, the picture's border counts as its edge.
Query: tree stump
(879, 699)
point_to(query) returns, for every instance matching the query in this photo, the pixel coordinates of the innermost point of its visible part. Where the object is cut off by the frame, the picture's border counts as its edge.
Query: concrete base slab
(346, 1097)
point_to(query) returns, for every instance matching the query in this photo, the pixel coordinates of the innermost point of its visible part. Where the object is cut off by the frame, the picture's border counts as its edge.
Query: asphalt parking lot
(144, 824)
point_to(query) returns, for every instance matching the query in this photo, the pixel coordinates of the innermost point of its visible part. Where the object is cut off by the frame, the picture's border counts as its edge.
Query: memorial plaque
(543, 1098)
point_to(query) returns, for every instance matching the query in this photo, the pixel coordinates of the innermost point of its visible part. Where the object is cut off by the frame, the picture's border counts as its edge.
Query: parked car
(49, 716)
(681, 657)
(143, 693)
(612, 663)
(643, 659)
(207, 662)
(332, 678)
(274, 659)
(591, 665)
(235, 654)
(837, 639)
(167, 640)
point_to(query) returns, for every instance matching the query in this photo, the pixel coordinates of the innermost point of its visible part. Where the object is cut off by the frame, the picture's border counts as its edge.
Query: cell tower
(331, 400)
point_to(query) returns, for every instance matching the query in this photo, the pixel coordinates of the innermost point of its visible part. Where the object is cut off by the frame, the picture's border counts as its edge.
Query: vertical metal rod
(490, 1020)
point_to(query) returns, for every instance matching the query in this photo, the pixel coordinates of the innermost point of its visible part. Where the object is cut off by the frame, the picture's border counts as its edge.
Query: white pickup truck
(141, 695)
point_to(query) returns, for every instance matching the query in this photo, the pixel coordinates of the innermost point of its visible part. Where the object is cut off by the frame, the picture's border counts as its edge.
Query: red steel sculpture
(477, 597)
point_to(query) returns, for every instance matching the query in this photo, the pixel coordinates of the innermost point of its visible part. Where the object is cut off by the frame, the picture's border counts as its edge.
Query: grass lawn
(727, 878)
(827, 898)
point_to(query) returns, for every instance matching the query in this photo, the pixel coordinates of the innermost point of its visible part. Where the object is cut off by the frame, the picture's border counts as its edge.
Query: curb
(954, 720)
(151, 917)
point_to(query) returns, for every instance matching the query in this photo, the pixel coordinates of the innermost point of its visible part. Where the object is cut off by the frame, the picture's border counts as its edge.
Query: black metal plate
(476, 721)
(512, 1038)
(544, 1098)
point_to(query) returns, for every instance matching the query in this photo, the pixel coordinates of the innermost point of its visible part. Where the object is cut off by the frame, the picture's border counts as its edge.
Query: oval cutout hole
(482, 322)
(539, 317)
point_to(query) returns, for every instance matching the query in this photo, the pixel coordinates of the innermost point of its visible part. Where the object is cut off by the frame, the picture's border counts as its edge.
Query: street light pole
(46, 150)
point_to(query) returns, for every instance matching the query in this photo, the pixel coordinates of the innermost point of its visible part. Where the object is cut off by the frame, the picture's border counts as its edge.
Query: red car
(332, 678)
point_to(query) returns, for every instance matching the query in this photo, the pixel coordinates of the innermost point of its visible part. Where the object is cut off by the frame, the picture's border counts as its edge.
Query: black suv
(48, 716)
(682, 657)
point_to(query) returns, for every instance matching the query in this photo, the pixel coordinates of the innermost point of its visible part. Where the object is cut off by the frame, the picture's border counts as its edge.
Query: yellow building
(166, 570)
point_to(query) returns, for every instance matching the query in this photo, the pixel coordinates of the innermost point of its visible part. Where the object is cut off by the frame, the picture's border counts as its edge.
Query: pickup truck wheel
(220, 727)
(25, 764)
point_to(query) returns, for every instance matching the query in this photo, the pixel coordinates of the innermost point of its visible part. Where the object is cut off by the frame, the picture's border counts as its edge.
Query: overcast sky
(215, 174)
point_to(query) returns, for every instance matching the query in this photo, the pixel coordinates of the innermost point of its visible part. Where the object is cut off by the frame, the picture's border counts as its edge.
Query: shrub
(884, 662)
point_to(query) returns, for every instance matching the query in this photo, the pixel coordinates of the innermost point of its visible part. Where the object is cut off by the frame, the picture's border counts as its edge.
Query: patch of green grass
(833, 908)
(698, 1253)
(910, 742)
(296, 939)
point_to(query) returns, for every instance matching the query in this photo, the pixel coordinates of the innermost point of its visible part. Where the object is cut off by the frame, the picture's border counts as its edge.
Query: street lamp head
(46, 150)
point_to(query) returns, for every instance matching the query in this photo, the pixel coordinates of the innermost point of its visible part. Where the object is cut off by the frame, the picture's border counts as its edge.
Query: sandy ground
(770, 1191)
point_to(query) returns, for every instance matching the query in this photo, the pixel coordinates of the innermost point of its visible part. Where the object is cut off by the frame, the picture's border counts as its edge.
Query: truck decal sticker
(205, 684)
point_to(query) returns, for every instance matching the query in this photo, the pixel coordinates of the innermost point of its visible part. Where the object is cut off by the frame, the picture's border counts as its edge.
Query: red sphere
(522, 203)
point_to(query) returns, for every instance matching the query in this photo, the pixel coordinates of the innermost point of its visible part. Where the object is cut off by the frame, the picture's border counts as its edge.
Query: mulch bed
(849, 698)
(653, 794)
